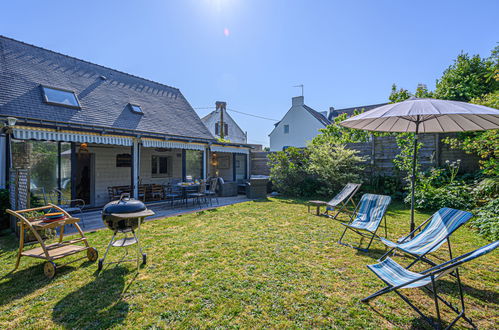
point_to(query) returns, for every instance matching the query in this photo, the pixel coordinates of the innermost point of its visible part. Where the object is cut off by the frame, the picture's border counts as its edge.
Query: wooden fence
(381, 151)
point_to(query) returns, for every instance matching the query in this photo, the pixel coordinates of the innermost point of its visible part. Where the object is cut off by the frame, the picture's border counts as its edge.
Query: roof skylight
(136, 108)
(59, 96)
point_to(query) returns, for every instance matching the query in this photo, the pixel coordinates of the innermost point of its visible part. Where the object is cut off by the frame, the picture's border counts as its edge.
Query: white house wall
(236, 135)
(303, 127)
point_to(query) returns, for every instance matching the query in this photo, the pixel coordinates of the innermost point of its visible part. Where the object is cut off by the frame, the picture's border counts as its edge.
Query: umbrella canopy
(426, 116)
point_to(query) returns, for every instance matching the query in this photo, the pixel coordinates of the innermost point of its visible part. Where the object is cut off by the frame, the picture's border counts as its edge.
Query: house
(232, 131)
(298, 126)
(85, 128)
(302, 123)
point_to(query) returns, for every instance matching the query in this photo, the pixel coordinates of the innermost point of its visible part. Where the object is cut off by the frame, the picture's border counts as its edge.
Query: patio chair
(69, 205)
(171, 194)
(439, 227)
(200, 194)
(367, 217)
(341, 199)
(157, 192)
(212, 191)
(113, 193)
(397, 277)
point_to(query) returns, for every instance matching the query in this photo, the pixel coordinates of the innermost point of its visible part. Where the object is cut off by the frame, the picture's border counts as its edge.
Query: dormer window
(63, 97)
(136, 108)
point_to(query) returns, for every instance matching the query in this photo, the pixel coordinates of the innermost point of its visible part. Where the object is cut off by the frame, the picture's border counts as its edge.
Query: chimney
(297, 100)
(332, 113)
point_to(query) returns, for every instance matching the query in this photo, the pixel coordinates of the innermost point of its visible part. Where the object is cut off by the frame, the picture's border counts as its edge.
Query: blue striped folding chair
(340, 201)
(397, 277)
(367, 217)
(439, 227)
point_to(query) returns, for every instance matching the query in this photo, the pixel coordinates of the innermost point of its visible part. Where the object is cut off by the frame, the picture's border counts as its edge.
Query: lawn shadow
(8, 242)
(262, 200)
(450, 288)
(416, 323)
(98, 304)
(25, 281)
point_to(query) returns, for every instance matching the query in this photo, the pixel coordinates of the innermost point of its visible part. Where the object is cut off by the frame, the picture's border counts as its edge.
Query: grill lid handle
(124, 196)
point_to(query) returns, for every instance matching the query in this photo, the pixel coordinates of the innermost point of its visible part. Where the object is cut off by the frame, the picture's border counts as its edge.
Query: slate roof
(319, 116)
(103, 93)
(350, 111)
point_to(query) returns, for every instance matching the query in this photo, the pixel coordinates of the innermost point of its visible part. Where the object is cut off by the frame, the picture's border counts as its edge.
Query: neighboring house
(85, 128)
(298, 126)
(349, 111)
(232, 131)
(302, 123)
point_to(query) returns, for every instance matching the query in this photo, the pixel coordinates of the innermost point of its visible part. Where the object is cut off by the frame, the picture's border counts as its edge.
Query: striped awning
(155, 143)
(235, 150)
(46, 134)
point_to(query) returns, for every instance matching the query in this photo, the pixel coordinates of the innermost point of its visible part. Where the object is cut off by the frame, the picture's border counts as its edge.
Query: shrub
(384, 185)
(439, 188)
(288, 172)
(487, 220)
(4, 204)
(334, 166)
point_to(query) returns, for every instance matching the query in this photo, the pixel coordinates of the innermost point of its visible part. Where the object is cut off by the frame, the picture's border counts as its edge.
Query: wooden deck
(92, 221)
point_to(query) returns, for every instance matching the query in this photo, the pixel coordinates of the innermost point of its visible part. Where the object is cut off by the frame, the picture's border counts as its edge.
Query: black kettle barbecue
(125, 216)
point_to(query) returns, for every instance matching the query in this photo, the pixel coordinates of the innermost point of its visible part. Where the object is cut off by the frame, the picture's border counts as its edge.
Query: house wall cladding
(107, 174)
(381, 151)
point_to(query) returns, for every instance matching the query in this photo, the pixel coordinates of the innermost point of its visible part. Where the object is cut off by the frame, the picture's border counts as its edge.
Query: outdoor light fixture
(11, 121)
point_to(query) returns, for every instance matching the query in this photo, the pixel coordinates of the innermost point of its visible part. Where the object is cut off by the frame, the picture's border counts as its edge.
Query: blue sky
(251, 53)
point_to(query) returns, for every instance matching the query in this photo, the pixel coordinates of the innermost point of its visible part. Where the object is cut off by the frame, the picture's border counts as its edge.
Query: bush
(288, 172)
(334, 166)
(487, 220)
(439, 188)
(321, 169)
(4, 204)
(385, 185)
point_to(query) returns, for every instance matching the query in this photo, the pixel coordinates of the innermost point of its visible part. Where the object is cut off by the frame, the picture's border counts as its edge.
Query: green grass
(255, 264)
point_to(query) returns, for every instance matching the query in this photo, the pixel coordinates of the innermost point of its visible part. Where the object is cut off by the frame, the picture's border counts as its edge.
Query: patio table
(184, 188)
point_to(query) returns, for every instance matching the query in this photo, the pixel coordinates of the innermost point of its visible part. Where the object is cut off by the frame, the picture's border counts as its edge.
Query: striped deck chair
(367, 217)
(439, 227)
(397, 277)
(342, 199)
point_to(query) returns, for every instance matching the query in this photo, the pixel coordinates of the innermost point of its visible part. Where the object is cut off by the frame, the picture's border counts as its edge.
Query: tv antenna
(301, 85)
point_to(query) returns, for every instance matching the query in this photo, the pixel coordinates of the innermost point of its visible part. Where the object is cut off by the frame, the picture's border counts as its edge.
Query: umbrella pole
(413, 178)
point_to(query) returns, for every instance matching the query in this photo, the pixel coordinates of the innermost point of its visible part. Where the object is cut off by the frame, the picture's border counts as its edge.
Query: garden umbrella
(425, 115)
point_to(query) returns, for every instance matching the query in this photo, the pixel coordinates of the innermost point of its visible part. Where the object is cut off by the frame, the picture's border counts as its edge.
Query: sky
(250, 53)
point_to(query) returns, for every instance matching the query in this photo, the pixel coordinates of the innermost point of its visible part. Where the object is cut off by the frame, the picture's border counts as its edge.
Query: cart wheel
(92, 254)
(101, 264)
(49, 269)
(144, 258)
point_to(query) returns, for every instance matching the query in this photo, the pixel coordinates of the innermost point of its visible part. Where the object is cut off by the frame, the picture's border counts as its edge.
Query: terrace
(262, 263)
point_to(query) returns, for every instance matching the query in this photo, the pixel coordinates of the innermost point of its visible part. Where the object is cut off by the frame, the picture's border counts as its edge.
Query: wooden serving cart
(55, 251)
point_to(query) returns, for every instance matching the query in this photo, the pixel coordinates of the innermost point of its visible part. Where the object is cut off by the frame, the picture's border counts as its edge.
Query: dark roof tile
(103, 93)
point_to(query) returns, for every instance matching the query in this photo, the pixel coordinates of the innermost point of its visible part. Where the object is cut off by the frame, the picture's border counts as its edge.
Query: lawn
(254, 264)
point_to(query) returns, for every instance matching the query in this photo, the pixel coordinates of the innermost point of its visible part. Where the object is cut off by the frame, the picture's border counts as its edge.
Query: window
(286, 129)
(60, 97)
(194, 163)
(136, 108)
(217, 129)
(159, 165)
(123, 160)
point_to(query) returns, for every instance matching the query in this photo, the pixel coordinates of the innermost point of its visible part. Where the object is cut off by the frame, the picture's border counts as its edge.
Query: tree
(340, 134)
(467, 78)
(399, 95)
